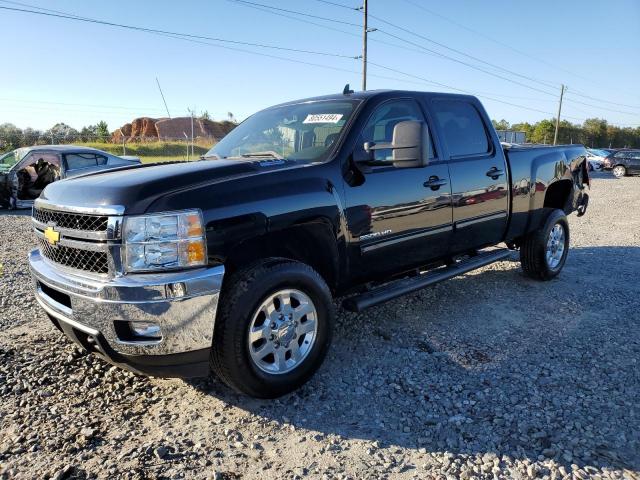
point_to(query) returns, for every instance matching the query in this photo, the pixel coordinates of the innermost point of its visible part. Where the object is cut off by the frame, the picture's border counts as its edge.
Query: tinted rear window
(461, 127)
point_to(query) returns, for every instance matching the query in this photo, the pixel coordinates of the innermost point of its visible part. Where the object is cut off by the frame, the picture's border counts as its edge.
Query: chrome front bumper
(94, 306)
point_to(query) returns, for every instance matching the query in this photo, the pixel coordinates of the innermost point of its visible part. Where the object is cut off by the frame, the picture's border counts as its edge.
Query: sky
(61, 70)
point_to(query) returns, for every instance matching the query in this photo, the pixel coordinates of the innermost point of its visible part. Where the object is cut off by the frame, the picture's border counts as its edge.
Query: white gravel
(490, 375)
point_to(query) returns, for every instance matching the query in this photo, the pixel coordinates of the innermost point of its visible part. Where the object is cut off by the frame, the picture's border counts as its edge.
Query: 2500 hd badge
(230, 264)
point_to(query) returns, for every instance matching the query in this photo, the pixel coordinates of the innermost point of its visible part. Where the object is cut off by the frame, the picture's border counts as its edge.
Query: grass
(150, 152)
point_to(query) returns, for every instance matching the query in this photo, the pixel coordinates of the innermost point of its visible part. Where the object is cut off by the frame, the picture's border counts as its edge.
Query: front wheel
(544, 251)
(273, 328)
(619, 171)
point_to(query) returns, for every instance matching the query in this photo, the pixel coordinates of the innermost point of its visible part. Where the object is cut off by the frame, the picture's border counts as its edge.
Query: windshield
(305, 132)
(8, 159)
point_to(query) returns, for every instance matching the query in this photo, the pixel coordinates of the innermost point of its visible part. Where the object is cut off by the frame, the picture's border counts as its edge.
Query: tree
(595, 130)
(61, 132)
(30, 136)
(543, 131)
(501, 125)
(10, 137)
(232, 117)
(205, 115)
(88, 134)
(102, 131)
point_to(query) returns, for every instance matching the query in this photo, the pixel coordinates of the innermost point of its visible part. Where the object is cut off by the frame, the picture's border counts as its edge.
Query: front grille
(75, 221)
(89, 261)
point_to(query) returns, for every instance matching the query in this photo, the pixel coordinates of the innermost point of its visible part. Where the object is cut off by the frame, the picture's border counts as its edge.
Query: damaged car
(26, 171)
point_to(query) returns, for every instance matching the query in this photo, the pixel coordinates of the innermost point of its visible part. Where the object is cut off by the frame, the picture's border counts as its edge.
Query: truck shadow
(488, 363)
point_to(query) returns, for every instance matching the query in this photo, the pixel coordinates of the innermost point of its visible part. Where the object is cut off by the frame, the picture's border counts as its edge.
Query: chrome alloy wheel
(555, 246)
(619, 171)
(282, 331)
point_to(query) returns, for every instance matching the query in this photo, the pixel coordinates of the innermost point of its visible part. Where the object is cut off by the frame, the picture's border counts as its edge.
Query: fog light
(148, 330)
(175, 290)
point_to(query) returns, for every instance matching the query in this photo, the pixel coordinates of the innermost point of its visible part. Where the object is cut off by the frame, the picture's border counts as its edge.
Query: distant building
(512, 136)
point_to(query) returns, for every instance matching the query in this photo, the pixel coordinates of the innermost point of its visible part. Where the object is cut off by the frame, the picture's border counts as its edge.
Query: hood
(136, 187)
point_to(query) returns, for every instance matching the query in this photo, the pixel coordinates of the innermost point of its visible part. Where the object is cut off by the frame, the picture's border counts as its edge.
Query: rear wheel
(619, 171)
(273, 328)
(544, 252)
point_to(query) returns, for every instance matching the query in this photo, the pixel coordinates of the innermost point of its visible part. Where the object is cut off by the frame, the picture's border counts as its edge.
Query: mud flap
(583, 203)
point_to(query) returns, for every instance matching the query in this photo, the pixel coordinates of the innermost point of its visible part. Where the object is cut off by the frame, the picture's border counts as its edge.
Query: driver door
(397, 217)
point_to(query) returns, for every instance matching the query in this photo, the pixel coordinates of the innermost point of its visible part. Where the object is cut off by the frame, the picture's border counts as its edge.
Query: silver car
(26, 171)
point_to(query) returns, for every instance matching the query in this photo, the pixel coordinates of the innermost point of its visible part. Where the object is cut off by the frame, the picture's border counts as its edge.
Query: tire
(541, 256)
(619, 171)
(240, 363)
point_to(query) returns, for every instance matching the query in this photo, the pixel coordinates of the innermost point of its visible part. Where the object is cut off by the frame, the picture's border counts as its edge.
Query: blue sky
(61, 70)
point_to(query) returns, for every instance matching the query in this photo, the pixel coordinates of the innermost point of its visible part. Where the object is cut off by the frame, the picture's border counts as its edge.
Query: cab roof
(369, 94)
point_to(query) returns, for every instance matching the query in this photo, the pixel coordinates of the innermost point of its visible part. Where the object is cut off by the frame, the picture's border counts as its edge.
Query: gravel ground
(490, 375)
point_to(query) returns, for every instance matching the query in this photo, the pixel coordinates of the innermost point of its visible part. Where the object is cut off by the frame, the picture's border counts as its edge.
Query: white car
(596, 158)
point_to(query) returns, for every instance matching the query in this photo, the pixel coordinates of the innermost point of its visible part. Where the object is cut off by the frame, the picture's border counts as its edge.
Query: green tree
(205, 115)
(10, 137)
(102, 131)
(61, 133)
(595, 130)
(543, 131)
(88, 134)
(501, 125)
(525, 127)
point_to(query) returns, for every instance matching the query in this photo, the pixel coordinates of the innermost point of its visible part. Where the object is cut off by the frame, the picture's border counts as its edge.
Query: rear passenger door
(479, 183)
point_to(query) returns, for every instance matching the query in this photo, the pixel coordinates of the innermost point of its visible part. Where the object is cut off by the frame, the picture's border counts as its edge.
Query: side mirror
(409, 144)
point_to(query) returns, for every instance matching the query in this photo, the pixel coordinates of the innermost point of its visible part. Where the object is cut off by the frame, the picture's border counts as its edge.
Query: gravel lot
(490, 375)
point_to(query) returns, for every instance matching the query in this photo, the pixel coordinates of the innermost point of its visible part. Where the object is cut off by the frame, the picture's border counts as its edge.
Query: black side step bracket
(401, 287)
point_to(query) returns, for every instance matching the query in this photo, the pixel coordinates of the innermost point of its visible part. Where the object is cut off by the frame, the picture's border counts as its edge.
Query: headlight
(163, 241)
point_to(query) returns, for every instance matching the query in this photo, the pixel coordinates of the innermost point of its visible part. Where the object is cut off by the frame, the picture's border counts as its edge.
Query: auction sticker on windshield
(323, 118)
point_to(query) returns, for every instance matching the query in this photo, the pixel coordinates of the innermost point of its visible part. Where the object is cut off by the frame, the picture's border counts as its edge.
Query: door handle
(434, 182)
(494, 173)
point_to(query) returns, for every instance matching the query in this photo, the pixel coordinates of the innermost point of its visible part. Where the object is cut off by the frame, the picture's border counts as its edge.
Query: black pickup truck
(231, 263)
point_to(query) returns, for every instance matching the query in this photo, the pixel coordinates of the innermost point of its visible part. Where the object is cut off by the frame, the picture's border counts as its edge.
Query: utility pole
(555, 137)
(365, 31)
(191, 113)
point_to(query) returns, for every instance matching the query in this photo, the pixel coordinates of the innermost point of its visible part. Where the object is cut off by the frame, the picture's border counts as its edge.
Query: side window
(101, 159)
(81, 160)
(379, 128)
(620, 154)
(462, 127)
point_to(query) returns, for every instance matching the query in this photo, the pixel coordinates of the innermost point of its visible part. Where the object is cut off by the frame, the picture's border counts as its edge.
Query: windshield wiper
(266, 153)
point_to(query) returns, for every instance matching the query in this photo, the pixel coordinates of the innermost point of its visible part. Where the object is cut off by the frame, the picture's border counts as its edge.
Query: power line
(195, 39)
(484, 35)
(165, 32)
(425, 80)
(326, 27)
(298, 13)
(459, 52)
(338, 5)
(574, 92)
(434, 52)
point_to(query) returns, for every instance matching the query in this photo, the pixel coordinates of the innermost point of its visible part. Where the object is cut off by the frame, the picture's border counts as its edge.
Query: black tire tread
(239, 283)
(532, 250)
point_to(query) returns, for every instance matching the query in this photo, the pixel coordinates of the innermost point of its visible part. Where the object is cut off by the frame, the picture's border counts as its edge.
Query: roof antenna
(347, 90)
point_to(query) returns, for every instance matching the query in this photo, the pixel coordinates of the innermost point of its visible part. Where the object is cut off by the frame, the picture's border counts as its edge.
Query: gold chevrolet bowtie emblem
(51, 235)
